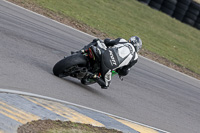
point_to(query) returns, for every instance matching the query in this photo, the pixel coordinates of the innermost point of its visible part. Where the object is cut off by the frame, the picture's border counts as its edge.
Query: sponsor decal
(113, 61)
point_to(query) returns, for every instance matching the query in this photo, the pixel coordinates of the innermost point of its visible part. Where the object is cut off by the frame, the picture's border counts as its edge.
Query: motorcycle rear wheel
(61, 67)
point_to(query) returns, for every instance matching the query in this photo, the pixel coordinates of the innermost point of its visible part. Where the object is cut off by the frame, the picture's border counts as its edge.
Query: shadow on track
(78, 83)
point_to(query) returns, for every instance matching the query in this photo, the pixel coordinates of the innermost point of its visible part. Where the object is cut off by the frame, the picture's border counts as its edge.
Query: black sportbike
(94, 58)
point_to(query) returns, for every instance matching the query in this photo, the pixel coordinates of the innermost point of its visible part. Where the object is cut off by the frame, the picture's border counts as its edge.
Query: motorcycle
(95, 58)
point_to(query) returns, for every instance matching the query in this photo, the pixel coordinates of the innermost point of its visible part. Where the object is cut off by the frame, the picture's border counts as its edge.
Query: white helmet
(136, 42)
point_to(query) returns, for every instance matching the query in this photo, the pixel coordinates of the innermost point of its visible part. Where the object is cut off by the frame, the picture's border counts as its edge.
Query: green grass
(57, 126)
(160, 33)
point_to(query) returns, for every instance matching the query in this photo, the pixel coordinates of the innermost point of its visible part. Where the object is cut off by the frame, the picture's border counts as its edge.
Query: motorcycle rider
(125, 50)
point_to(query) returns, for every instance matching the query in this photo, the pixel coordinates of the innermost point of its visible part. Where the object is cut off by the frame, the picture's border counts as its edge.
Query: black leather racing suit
(124, 69)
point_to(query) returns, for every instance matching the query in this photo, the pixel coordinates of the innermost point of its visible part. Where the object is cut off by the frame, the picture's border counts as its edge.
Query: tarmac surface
(151, 94)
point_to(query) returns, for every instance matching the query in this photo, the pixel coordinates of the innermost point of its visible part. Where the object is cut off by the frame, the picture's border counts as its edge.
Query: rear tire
(75, 59)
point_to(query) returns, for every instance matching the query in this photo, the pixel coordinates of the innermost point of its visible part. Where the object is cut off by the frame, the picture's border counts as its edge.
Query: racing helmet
(136, 42)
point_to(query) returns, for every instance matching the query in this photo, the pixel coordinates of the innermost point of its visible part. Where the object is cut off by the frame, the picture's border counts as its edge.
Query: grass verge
(165, 39)
(57, 126)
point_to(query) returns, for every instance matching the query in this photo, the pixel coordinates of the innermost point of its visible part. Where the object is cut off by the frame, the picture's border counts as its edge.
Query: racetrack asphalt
(151, 94)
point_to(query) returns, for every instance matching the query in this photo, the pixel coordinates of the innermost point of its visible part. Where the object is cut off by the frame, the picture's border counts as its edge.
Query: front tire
(68, 62)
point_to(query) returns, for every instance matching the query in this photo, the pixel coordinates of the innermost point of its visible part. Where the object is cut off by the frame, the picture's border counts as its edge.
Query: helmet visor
(137, 42)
